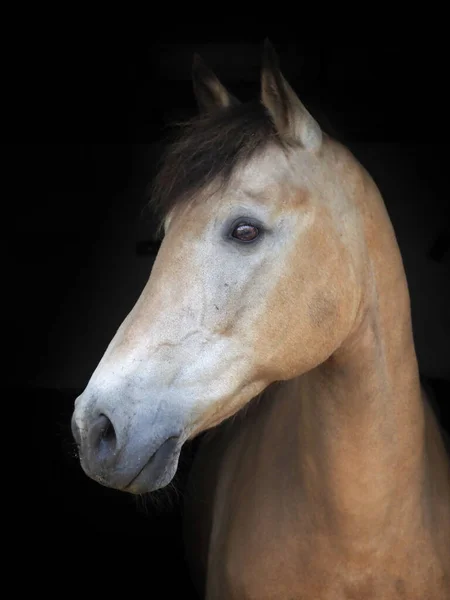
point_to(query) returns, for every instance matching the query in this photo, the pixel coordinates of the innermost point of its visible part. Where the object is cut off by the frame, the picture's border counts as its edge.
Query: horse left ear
(211, 95)
(293, 122)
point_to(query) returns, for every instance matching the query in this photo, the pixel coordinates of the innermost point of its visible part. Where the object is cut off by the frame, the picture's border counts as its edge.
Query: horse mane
(209, 148)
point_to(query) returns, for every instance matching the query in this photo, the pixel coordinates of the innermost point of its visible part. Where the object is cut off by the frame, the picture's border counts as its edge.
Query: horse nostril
(102, 439)
(108, 434)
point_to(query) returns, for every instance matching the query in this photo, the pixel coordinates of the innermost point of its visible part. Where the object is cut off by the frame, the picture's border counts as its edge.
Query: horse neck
(360, 414)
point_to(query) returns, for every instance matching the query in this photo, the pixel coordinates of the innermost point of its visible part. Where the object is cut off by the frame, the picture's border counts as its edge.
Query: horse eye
(245, 232)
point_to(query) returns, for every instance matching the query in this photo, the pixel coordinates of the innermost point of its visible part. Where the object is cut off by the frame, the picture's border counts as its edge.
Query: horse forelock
(209, 149)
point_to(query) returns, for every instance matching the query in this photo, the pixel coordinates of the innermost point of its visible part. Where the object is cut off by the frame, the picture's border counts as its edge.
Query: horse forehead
(263, 172)
(277, 175)
(267, 179)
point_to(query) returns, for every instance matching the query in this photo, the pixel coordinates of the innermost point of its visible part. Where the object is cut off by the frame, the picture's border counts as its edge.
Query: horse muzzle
(132, 457)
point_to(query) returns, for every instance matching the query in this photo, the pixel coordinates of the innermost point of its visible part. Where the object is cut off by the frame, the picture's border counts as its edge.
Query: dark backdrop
(93, 116)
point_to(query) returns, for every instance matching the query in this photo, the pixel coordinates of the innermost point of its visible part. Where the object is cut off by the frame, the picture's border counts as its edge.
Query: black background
(84, 129)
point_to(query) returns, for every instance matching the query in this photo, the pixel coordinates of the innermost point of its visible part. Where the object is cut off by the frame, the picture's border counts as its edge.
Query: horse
(276, 328)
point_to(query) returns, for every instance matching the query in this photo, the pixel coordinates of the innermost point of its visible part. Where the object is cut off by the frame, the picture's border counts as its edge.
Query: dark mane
(210, 148)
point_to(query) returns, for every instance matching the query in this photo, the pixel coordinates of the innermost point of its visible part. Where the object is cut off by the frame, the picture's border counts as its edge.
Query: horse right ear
(290, 117)
(210, 94)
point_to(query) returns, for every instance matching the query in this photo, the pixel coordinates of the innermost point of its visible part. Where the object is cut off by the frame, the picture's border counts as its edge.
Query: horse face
(248, 288)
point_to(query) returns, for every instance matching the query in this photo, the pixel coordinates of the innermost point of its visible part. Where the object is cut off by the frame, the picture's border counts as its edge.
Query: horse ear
(292, 121)
(211, 95)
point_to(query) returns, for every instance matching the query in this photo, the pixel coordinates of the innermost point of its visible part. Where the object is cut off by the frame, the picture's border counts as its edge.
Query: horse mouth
(159, 470)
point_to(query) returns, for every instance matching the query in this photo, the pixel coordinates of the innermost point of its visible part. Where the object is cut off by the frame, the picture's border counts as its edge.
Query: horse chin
(145, 482)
